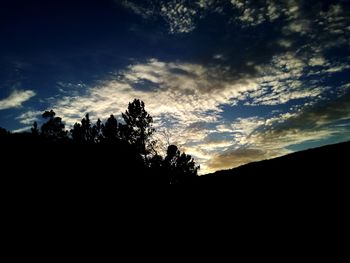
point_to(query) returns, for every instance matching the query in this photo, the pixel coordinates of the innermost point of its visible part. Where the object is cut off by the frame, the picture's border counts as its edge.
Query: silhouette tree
(87, 129)
(77, 133)
(138, 126)
(54, 127)
(97, 131)
(186, 164)
(84, 132)
(110, 130)
(171, 156)
(180, 167)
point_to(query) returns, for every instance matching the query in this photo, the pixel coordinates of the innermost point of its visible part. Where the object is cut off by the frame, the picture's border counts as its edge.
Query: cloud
(289, 64)
(244, 147)
(251, 13)
(205, 4)
(187, 99)
(28, 117)
(179, 16)
(236, 158)
(184, 98)
(285, 43)
(258, 138)
(192, 99)
(174, 92)
(313, 122)
(318, 115)
(281, 81)
(16, 99)
(278, 71)
(301, 27)
(219, 57)
(267, 143)
(24, 129)
(182, 16)
(317, 61)
(295, 26)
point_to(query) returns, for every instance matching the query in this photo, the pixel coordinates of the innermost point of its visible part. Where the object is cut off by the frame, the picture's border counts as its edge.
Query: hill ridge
(307, 165)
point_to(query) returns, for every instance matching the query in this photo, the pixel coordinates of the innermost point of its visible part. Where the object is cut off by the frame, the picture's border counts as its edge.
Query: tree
(186, 164)
(77, 133)
(97, 131)
(87, 129)
(171, 156)
(179, 166)
(110, 130)
(83, 133)
(54, 127)
(138, 126)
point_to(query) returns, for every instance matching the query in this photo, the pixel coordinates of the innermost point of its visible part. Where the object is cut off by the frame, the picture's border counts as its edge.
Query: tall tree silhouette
(77, 133)
(83, 132)
(110, 129)
(54, 127)
(97, 131)
(138, 126)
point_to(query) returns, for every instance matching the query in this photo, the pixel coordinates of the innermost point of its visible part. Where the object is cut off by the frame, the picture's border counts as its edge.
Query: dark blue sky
(231, 81)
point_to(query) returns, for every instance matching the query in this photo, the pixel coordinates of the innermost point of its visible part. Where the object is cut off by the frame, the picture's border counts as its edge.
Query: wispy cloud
(20, 130)
(16, 98)
(175, 93)
(28, 117)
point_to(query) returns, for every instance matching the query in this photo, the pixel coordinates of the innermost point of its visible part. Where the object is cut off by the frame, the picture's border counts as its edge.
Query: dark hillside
(318, 166)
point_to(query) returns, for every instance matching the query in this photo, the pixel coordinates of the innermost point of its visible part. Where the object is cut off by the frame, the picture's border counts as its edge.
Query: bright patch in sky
(229, 81)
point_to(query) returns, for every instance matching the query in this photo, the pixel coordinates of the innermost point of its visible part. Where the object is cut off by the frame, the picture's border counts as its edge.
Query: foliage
(138, 127)
(83, 132)
(54, 128)
(110, 130)
(180, 166)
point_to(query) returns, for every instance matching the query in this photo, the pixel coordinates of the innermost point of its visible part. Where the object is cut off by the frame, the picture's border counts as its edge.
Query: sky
(228, 81)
